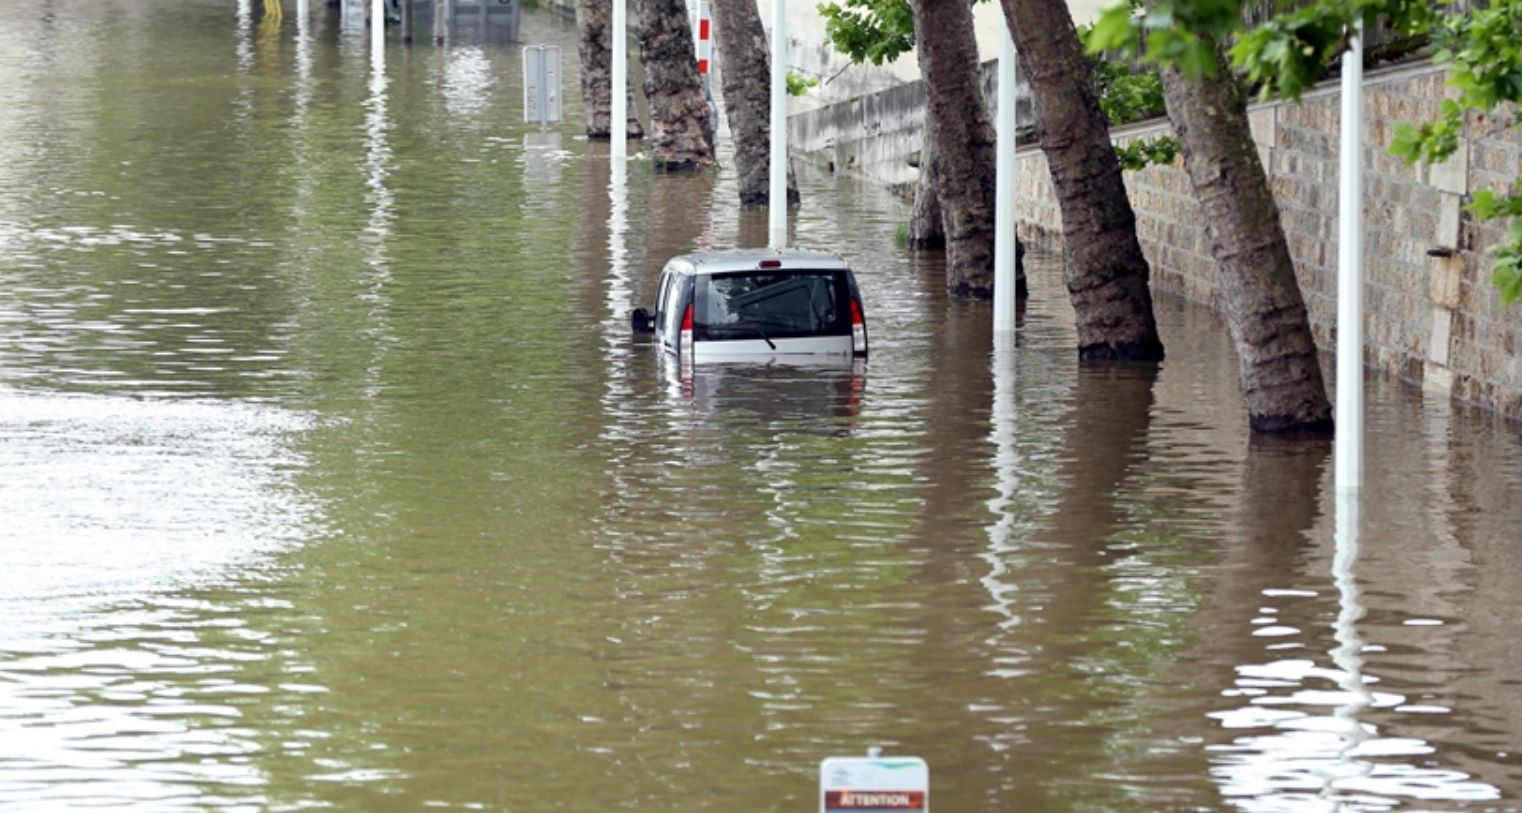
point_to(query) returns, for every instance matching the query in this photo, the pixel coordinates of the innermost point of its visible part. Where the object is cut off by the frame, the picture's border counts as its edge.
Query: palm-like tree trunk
(1281, 375)
(1106, 271)
(747, 97)
(681, 124)
(594, 23)
(964, 138)
(927, 228)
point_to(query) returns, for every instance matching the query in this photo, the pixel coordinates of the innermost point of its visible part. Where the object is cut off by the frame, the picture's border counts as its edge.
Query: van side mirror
(639, 321)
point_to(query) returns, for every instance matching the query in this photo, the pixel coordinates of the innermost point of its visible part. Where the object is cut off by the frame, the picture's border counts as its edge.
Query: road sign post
(541, 84)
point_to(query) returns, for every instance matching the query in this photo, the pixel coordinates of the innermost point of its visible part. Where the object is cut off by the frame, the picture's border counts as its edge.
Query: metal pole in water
(303, 10)
(776, 199)
(1004, 199)
(378, 25)
(1349, 406)
(618, 126)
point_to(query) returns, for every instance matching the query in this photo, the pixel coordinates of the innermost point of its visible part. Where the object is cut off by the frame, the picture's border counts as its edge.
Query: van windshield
(774, 304)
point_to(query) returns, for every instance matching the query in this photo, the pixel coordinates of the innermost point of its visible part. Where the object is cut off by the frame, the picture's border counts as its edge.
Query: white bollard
(1349, 406)
(776, 199)
(618, 124)
(1004, 198)
(378, 25)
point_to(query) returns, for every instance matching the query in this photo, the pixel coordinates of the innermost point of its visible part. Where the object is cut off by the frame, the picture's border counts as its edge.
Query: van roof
(747, 259)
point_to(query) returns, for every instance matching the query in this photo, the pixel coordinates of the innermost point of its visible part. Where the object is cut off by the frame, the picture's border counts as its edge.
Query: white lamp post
(1349, 407)
(1004, 199)
(776, 201)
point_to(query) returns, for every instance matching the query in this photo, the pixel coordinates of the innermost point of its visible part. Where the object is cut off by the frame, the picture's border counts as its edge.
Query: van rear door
(775, 310)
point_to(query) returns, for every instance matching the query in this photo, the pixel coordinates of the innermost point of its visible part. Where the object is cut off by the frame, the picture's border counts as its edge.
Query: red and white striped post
(703, 36)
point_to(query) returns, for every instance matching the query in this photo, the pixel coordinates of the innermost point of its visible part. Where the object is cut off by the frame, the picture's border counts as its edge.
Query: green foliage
(1289, 53)
(798, 84)
(1180, 33)
(1126, 96)
(1484, 57)
(880, 31)
(1143, 152)
(1508, 264)
(876, 31)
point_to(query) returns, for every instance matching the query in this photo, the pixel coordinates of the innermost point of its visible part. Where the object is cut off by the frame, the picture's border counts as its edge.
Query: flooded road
(330, 478)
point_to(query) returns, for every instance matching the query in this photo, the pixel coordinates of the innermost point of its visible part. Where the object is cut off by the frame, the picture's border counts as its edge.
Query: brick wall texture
(1430, 319)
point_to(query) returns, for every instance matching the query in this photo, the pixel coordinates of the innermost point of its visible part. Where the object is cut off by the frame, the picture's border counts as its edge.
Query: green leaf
(1115, 29)
(1509, 280)
(1484, 205)
(1407, 143)
(1196, 59)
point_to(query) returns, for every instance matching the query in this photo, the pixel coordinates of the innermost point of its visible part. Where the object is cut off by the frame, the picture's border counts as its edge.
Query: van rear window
(774, 305)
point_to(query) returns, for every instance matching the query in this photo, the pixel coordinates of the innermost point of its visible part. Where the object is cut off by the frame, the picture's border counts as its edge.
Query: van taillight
(686, 338)
(858, 329)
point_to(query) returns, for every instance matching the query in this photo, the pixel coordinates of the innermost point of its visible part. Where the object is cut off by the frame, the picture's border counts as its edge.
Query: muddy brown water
(330, 478)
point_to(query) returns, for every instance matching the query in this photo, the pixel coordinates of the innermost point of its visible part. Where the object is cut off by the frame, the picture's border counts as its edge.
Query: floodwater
(330, 478)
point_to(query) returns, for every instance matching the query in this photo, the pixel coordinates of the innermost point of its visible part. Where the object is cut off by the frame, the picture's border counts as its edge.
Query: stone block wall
(1432, 315)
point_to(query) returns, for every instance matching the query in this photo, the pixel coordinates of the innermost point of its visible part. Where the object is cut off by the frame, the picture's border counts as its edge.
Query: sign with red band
(857, 801)
(874, 784)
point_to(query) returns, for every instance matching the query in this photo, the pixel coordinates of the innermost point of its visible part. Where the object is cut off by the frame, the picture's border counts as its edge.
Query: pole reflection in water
(303, 94)
(1301, 745)
(245, 48)
(1347, 656)
(618, 255)
(382, 203)
(1001, 431)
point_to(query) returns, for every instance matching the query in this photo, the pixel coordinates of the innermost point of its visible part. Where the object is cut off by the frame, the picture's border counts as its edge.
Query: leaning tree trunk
(594, 19)
(681, 125)
(927, 230)
(964, 136)
(1281, 375)
(1106, 272)
(747, 97)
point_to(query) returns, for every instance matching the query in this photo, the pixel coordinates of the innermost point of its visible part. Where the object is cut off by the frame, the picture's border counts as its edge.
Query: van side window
(663, 290)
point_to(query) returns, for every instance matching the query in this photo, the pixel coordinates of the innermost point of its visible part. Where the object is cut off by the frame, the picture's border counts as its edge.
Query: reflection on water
(332, 477)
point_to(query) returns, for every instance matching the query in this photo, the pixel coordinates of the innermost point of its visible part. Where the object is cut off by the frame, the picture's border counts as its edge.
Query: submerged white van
(754, 304)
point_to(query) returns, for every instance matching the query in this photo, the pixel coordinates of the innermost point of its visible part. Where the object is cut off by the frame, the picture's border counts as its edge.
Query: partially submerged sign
(874, 784)
(541, 84)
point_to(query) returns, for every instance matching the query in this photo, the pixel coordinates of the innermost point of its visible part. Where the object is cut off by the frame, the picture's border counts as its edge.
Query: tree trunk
(1281, 375)
(964, 136)
(927, 231)
(681, 125)
(747, 98)
(594, 20)
(1106, 271)
(927, 223)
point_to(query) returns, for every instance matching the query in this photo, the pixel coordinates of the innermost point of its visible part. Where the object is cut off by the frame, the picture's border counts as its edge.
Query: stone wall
(1432, 314)
(876, 134)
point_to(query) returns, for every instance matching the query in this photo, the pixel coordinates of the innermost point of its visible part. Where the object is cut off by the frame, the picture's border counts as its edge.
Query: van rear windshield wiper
(745, 330)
